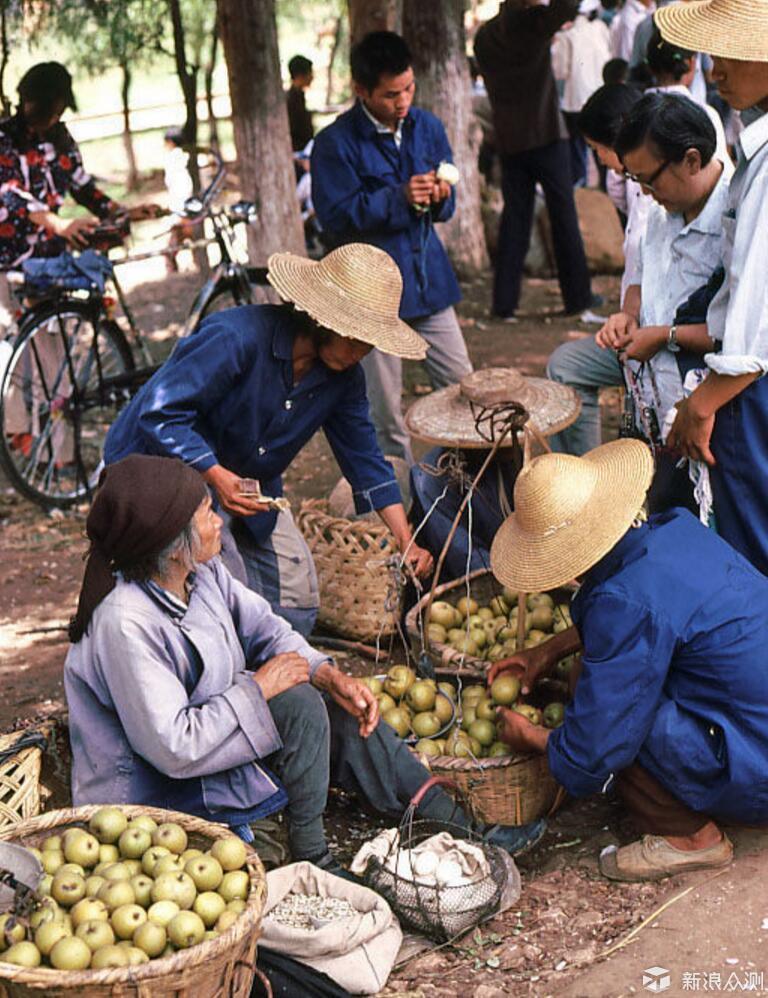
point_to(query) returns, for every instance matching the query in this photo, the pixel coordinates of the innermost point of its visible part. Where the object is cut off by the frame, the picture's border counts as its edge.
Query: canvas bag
(358, 953)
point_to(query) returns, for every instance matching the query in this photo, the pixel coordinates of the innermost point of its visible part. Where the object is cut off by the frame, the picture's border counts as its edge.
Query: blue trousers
(740, 477)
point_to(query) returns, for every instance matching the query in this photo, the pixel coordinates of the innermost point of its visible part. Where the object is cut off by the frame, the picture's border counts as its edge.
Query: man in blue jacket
(671, 705)
(374, 179)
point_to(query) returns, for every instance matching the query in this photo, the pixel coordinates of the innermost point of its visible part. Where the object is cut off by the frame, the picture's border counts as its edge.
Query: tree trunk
(260, 120)
(213, 131)
(435, 34)
(374, 15)
(132, 181)
(4, 57)
(337, 30)
(187, 75)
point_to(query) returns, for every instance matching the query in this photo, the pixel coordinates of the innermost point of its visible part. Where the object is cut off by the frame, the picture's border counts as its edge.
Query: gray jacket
(159, 706)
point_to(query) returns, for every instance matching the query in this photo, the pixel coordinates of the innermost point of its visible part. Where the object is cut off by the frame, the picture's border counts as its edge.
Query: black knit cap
(142, 504)
(47, 83)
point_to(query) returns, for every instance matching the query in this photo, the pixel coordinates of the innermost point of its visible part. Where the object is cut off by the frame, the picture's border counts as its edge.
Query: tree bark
(260, 119)
(435, 34)
(187, 75)
(213, 131)
(374, 15)
(132, 181)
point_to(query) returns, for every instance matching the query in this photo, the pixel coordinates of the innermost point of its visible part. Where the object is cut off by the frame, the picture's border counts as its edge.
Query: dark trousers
(654, 811)
(322, 746)
(551, 167)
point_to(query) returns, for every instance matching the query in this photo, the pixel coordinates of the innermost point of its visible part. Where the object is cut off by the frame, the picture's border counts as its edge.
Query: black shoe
(329, 864)
(517, 839)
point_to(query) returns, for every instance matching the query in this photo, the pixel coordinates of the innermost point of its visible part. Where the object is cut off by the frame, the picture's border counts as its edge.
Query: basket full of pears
(473, 621)
(452, 726)
(134, 900)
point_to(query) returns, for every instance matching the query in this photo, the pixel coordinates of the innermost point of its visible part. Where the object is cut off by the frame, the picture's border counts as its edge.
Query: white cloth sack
(358, 952)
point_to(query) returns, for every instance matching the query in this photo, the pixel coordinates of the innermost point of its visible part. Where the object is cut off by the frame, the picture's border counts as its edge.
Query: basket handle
(433, 781)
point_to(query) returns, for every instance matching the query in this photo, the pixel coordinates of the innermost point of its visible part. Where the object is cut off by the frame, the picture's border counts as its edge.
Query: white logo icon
(656, 979)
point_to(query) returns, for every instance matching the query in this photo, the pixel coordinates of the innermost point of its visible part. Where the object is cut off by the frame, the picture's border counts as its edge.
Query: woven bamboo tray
(351, 558)
(483, 587)
(20, 778)
(218, 968)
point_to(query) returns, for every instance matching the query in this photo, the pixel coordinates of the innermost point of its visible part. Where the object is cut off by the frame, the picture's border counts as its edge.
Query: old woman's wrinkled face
(208, 524)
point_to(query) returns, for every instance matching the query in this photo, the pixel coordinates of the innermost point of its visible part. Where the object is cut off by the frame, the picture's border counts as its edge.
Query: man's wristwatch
(672, 343)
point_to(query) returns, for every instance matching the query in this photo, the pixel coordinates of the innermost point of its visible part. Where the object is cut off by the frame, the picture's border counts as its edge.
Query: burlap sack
(358, 953)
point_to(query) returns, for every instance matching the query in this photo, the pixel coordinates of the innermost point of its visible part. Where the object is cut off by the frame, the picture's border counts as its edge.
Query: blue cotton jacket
(226, 396)
(357, 190)
(165, 711)
(675, 671)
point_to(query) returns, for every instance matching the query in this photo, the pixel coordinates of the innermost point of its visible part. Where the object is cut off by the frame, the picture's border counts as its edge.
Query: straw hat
(448, 417)
(733, 29)
(569, 512)
(355, 291)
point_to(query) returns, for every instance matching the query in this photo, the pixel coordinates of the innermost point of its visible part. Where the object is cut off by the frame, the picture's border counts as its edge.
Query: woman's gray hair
(186, 545)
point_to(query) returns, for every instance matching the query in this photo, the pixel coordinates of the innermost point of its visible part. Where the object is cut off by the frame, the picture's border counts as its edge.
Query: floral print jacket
(36, 174)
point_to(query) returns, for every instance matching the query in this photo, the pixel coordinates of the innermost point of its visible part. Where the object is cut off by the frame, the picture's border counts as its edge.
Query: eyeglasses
(648, 184)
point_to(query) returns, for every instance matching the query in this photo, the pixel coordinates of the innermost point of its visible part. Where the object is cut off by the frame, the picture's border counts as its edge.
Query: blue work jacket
(226, 396)
(357, 190)
(675, 671)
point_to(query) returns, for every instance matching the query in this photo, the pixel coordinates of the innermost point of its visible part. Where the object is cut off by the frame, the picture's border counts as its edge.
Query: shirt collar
(710, 218)
(380, 128)
(282, 338)
(168, 601)
(755, 135)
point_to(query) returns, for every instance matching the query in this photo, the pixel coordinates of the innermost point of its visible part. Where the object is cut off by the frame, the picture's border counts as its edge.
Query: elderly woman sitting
(186, 691)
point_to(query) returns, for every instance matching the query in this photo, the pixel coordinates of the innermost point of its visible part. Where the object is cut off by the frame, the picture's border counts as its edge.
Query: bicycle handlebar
(198, 204)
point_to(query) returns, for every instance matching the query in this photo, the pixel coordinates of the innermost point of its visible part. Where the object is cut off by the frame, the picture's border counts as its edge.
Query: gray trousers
(447, 362)
(321, 746)
(585, 366)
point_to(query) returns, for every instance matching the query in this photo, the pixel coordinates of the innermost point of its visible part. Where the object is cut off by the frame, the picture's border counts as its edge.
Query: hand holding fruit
(526, 665)
(280, 673)
(519, 733)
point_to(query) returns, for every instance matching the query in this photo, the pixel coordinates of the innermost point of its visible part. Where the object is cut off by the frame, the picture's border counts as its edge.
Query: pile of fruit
(443, 720)
(490, 632)
(125, 892)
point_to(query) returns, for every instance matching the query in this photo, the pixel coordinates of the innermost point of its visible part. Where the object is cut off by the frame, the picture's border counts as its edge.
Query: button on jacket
(163, 707)
(226, 396)
(358, 175)
(675, 671)
(513, 52)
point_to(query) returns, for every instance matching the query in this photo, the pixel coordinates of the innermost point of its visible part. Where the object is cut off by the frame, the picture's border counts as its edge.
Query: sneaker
(653, 858)
(517, 839)
(592, 318)
(509, 320)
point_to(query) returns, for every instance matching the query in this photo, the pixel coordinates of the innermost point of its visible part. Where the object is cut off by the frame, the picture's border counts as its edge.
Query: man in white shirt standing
(725, 421)
(625, 24)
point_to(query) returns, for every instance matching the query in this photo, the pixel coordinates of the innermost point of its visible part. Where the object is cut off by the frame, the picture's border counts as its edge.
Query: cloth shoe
(653, 858)
(516, 839)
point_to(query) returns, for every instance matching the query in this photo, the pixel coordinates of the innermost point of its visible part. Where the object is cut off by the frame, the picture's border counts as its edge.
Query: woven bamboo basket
(508, 790)
(352, 561)
(218, 968)
(20, 778)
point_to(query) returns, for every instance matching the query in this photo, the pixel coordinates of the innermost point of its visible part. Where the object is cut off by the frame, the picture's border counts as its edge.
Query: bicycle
(69, 367)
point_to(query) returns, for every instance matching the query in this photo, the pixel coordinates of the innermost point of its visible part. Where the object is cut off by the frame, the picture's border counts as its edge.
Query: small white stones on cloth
(311, 911)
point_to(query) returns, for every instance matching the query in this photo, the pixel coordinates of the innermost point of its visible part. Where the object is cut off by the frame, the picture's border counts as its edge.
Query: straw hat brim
(444, 418)
(536, 563)
(301, 282)
(732, 29)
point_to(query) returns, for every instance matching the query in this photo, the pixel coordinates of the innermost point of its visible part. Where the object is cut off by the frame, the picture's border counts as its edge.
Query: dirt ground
(555, 940)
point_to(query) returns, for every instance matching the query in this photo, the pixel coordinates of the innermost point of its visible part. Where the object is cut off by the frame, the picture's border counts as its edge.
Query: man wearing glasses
(667, 145)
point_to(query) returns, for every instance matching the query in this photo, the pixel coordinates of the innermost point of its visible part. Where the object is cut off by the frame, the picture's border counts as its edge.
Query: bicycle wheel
(60, 390)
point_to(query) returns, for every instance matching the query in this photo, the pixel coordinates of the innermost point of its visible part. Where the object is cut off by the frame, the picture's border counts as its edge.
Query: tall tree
(435, 34)
(260, 120)
(374, 15)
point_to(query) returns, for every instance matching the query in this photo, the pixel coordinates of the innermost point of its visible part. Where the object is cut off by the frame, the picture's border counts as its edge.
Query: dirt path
(551, 943)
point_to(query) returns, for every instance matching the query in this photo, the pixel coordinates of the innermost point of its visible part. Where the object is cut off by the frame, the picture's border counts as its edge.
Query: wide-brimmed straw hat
(355, 291)
(453, 416)
(569, 512)
(732, 29)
